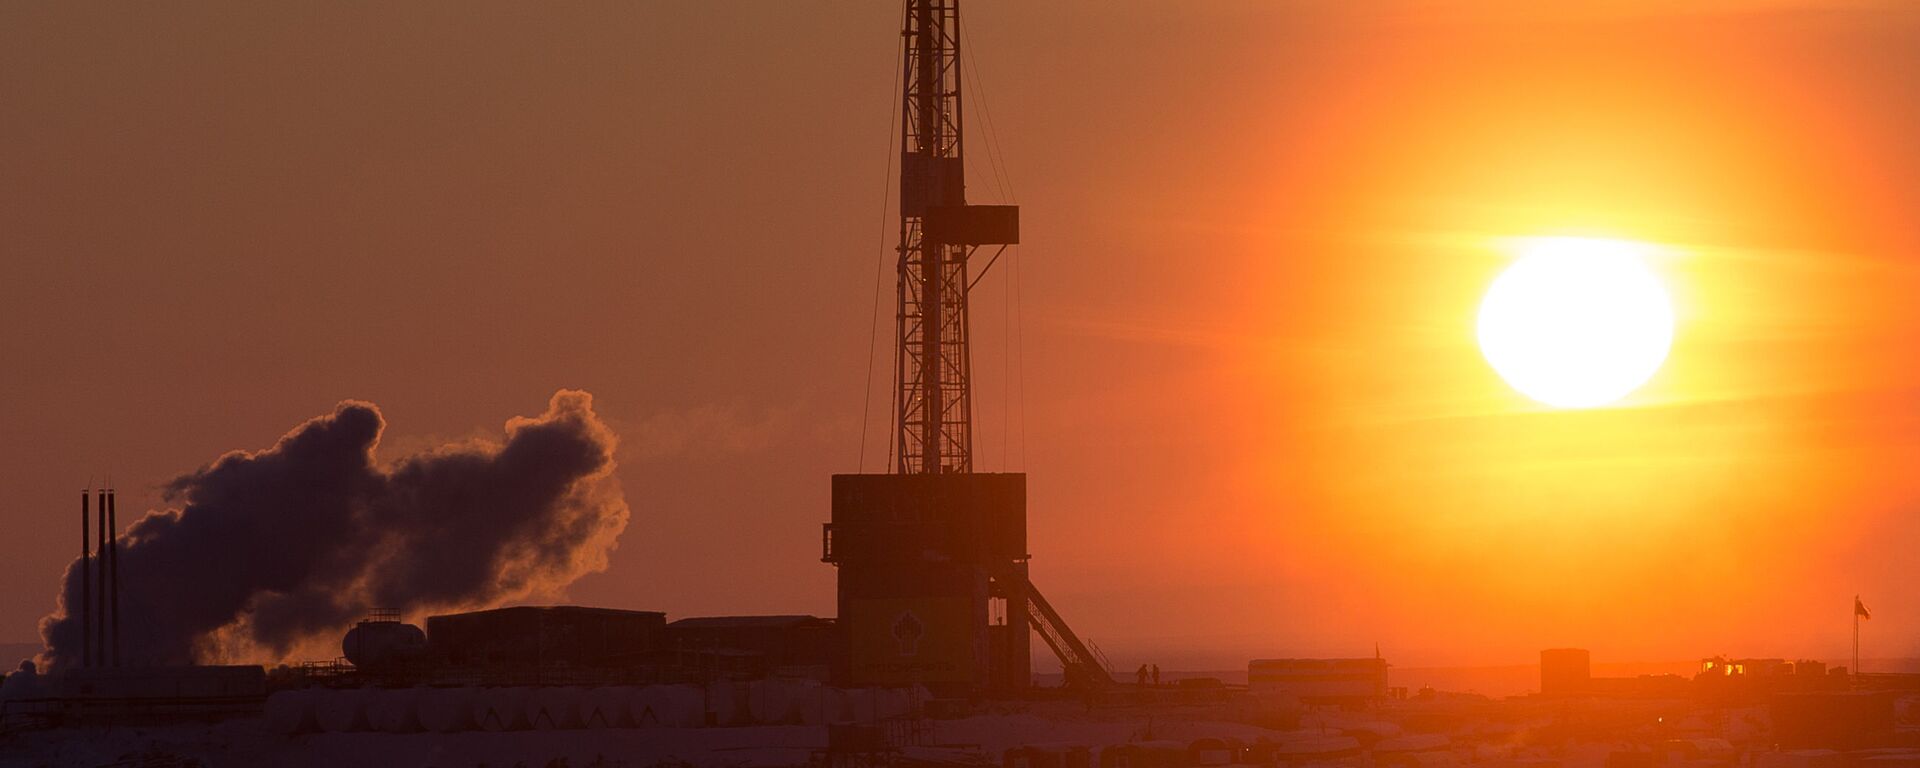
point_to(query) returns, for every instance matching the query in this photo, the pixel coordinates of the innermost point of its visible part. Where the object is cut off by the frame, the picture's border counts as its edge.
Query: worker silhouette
(1140, 676)
(1156, 675)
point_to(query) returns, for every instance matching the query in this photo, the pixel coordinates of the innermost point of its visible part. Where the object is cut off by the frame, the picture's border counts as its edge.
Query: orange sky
(1256, 235)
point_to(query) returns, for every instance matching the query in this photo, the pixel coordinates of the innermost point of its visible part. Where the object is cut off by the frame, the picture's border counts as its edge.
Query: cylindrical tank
(502, 709)
(394, 710)
(606, 707)
(380, 644)
(341, 710)
(554, 708)
(447, 710)
(292, 711)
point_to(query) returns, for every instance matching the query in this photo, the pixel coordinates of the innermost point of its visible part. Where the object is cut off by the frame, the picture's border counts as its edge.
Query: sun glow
(1576, 322)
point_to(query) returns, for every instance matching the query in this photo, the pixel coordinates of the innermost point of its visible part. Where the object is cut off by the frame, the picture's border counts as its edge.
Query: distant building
(533, 637)
(1566, 672)
(1833, 720)
(1346, 682)
(754, 646)
(1727, 679)
(1642, 687)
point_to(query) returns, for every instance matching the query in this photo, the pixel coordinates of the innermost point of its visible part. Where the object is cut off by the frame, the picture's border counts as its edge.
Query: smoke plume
(266, 550)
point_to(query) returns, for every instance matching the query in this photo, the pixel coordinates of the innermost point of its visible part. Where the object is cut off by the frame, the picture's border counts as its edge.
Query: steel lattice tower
(938, 234)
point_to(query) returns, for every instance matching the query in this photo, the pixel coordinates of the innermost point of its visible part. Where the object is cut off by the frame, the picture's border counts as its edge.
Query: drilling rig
(933, 568)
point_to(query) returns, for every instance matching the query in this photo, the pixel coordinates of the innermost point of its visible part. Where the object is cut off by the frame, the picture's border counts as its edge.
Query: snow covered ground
(977, 740)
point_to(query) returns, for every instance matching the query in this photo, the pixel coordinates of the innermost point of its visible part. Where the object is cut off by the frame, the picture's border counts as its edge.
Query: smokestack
(113, 573)
(100, 560)
(472, 524)
(86, 584)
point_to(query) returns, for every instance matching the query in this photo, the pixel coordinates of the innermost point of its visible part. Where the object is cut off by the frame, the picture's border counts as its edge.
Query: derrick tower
(938, 235)
(932, 558)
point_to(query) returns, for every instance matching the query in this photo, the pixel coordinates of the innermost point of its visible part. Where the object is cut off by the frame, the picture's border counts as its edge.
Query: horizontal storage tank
(292, 711)
(554, 708)
(447, 710)
(341, 710)
(394, 710)
(502, 709)
(383, 644)
(607, 707)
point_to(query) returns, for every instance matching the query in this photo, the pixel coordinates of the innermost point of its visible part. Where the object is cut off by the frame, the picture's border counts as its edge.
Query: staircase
(1081, 665)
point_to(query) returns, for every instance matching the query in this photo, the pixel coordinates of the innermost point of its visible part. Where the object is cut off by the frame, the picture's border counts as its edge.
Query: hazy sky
(1255, 236)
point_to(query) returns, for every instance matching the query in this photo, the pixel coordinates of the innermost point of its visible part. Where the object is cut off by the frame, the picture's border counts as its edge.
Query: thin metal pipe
(113, 571)
(86, 584)
(100, 560)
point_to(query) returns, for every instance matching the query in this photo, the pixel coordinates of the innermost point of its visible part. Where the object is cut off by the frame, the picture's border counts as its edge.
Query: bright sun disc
(1576, 322)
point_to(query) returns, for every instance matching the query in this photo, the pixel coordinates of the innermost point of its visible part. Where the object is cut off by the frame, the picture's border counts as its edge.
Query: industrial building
(918, 557)
(540, 637)
(1566, 672)
(749, 647)
(1757, 679)
(1342, 682)
(1833, 719)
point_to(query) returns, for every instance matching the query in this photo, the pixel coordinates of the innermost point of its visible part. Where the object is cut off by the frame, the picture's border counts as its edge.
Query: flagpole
(1856, 638)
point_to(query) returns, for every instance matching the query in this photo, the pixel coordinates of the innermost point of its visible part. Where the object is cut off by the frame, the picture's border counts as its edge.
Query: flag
(1860, 609)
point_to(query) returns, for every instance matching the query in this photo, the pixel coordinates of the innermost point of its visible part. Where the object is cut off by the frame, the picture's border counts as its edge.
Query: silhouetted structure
(749, 647)
(1735, 680)
(1345, 682)
(1566, 672)
(1834, 720)
(927, 552)
(99, 580)
(136, 696)
(382, 643)
(532, 637)
(922, 559)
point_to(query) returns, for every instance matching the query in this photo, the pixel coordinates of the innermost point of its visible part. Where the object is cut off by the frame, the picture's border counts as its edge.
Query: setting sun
(1576, 322)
